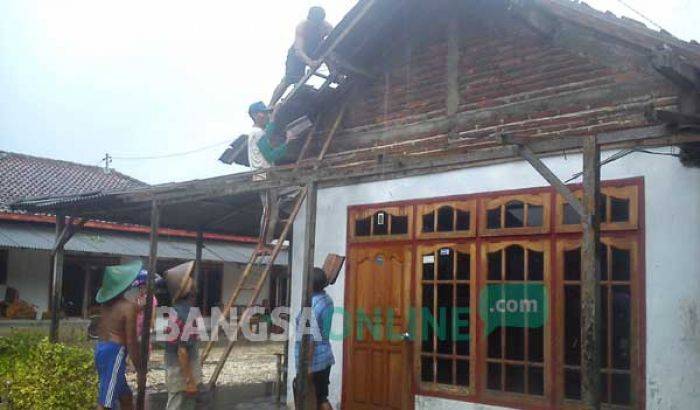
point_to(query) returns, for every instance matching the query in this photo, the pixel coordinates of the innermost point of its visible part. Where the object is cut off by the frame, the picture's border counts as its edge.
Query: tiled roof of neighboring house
(26, 176)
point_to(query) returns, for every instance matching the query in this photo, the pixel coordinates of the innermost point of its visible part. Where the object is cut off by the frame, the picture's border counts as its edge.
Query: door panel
(376, 376)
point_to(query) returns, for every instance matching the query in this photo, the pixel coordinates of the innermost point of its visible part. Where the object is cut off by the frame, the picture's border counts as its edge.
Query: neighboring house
(26, 241)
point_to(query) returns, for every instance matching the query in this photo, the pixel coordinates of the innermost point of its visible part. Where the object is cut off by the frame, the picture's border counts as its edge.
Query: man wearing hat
(117, 336)
(183, 369)
(262, 153)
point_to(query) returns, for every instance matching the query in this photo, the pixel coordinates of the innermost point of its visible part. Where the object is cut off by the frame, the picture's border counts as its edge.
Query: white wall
(232, 274)
(29, 272)
(672, 245)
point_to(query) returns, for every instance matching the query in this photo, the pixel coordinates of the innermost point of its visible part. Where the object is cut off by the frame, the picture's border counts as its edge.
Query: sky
(143, 79)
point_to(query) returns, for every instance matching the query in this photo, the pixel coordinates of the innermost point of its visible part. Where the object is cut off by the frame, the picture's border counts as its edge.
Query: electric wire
(640, 14)
(173, 155)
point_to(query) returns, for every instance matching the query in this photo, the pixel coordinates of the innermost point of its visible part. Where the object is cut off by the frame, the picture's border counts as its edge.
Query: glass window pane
(493, 218)
(535, 265)
(445, 219)
(362, 226)
(535, 379)
(445, 263)
(572, 264)
(515, 343)
(621, 264)
(444, 371)
(463, 222)
(515, 378)
(515, 263)
(429, 222)
(494, 343)
(429, 266)
(619, 209)
(621, 327)
(571, 217)
(572, 325)
(494, 262)
(493, 375)
(463, 265)
(427, 309)
(462, 373)
(445, 303)
(535, 215)
(381, 223)
(572, 384)
(515, 214)
(426, 369)
(535, 344)
(620, 389)
(462, 346)
(399, 225)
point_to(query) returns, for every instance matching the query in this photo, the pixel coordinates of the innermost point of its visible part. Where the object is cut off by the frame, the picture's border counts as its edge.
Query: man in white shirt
(261, 155)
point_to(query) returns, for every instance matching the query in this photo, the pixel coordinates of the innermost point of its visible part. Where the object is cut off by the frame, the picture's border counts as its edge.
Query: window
(515, 356)
(619, 270)
(381, 224)
(446, 299)
(618, 210)
(515, 215)
(446, 219)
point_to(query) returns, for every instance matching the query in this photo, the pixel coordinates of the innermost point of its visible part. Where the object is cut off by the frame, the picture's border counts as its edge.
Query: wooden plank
(148, 309)
(306, 286)
(591, 307)
(258, 288)
(57, 278)
(67, 233)
(548, 175)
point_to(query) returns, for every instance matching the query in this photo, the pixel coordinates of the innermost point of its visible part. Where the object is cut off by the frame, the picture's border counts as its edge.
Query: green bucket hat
(117, 279)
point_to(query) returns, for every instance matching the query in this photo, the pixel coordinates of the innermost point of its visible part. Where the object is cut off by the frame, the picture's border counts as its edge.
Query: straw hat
(117, 279)
(179, 280)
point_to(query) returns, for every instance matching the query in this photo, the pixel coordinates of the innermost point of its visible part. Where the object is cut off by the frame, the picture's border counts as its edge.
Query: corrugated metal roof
(33, 236)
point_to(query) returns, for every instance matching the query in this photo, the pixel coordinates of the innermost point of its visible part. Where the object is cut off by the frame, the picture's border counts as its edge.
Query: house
(26, 241)
(443, 181)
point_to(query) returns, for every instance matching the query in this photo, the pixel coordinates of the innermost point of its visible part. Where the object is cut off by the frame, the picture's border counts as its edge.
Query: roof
(42, 237)
(26, 176)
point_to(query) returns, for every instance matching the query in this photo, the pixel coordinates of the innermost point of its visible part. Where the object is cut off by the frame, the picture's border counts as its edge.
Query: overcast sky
(81, 78)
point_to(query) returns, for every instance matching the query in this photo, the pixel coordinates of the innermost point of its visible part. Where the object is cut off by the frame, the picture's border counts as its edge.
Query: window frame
(472, 358)
(629, 192)
(359, 213)
(537, 198)
(465, 206)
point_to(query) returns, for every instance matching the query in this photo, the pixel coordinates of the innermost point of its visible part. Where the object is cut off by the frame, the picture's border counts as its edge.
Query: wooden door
(377, 367)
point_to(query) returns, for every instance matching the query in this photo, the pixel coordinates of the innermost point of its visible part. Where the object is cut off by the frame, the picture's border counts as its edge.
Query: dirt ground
(249, 363)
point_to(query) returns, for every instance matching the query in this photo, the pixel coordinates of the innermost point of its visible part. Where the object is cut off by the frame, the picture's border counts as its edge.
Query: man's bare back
(118, 325)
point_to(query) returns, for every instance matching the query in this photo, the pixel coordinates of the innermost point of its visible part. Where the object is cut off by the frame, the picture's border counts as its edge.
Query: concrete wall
(672, 241)
(29, 272)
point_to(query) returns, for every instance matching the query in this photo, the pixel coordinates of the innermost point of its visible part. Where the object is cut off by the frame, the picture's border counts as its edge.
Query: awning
(40, 237)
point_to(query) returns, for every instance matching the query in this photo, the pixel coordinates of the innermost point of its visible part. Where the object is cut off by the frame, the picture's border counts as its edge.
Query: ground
(249, 363)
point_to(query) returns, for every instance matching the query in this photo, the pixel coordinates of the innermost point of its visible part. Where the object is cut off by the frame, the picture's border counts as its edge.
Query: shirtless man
(117, 332)
(308, 36)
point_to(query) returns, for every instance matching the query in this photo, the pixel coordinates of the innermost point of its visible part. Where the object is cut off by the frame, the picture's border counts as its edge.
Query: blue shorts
(110, 360)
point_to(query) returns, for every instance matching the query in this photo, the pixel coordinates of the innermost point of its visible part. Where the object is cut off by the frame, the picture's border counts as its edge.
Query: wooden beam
(67, 233)
(148, 309)
(57, 278)
(334, 129)
(309, 250)
(199, 246)
(547, 174)
(591, 305)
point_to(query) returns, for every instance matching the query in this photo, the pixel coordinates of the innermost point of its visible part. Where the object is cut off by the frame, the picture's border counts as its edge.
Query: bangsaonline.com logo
(500, 305)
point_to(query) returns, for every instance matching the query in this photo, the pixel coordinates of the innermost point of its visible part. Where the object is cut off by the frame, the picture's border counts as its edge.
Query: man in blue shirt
(322, 356)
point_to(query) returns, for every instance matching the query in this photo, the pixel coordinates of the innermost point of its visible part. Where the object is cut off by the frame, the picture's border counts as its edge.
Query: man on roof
(308, 36)
(117, 336)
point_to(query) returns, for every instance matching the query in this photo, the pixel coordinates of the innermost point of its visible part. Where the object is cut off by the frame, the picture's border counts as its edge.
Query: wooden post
(148, 309)
(309, 249)
(199, 246)
(591, 306)
(57, 278)
(86, 290)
